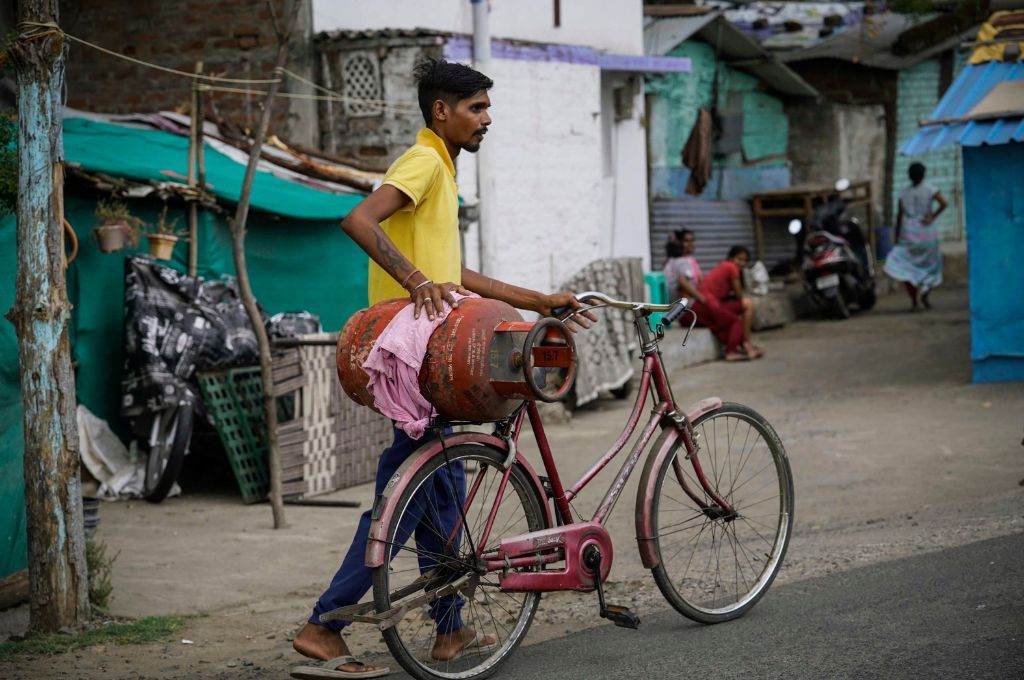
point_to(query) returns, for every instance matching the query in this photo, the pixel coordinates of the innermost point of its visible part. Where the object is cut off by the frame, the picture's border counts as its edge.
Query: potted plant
(117, 226)
(162, 236)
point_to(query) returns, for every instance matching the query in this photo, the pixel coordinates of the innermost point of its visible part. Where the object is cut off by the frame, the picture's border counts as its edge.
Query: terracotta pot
(111, 236)
(161, 246)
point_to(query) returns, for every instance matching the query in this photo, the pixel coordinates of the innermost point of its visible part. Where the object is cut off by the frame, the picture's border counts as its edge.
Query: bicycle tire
(165, 460)
(534, 516)
(667, 582)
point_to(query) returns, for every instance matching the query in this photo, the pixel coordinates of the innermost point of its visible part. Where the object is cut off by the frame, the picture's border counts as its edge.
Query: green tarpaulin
(298, 259)
(146, 154)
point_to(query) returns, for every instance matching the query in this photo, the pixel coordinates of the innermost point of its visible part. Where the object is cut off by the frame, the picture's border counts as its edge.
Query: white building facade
(567, 152)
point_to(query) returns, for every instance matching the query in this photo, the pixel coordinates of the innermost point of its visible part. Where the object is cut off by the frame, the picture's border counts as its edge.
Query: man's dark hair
(916, 172)
(673, 249)
(447, 81)
(681, 233)
(736, 250)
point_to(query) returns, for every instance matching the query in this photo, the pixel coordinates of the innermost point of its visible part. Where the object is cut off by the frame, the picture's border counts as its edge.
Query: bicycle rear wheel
(714, 568)
(418, 565)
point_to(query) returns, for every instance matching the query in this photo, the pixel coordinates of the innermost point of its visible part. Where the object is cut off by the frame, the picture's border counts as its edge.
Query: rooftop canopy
(142, 153)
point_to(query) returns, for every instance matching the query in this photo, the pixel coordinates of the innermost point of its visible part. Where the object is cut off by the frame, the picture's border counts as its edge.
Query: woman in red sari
(721, 307)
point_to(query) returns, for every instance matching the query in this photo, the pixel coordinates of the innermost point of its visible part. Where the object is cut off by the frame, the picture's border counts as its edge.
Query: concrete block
(773, 310)
(700, 348)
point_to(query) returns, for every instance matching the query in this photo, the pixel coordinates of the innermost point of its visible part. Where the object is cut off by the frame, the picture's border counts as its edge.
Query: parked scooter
(838, 267)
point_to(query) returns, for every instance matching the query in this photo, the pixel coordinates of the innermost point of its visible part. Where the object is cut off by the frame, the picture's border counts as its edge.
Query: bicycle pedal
(621, 616)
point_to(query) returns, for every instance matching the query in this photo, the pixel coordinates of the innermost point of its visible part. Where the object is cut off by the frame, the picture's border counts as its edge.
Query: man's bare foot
(448, 646)
(736, 356)
(320, 642)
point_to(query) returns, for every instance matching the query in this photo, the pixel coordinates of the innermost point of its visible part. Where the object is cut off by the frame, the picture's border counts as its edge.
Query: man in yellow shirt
(409, 227)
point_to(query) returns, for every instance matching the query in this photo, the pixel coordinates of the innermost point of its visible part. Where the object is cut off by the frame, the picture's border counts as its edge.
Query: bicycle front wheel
(432, 548)
(714, 566)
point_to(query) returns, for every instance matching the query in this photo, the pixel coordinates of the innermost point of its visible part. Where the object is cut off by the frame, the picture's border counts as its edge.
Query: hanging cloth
(697, 153)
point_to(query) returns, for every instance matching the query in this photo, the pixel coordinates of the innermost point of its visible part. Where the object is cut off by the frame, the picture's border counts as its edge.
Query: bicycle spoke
(427, 519)
(728, 555)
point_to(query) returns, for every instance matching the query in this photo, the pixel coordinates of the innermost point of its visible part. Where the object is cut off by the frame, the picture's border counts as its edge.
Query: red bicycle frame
(665, 414)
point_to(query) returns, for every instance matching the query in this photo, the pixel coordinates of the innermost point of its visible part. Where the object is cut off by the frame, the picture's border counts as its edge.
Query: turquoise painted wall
(917, 95)
(759, 165)
(995, 239)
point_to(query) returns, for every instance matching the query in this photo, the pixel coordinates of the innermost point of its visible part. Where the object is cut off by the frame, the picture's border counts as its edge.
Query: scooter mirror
(842, 184)
(795, 226)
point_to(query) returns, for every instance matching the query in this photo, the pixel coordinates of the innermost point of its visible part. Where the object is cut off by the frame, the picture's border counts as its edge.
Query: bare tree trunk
(58, 588)
(244, 287)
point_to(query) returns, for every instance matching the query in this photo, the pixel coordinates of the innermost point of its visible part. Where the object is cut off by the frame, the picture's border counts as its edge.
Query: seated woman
(682, 272)
(721, 306)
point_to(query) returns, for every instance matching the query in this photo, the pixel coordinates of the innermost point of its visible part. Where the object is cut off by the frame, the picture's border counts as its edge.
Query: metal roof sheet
(870, 43)
(737, 49)
(951, 121)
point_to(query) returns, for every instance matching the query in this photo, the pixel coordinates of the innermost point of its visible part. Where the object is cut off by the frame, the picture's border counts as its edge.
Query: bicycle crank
(617, 614)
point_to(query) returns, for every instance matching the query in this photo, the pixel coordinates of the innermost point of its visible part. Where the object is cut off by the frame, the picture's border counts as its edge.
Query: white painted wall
(569, 181)
(624, 150)
(611, 25)
(545, 157)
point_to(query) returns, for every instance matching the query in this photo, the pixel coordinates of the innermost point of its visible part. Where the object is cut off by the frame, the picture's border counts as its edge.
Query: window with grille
(361, 85)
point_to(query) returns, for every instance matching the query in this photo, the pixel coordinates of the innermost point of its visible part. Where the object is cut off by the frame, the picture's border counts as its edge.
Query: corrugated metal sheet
(870, 42)
(717, 225)
(969, 88)
(661, 36)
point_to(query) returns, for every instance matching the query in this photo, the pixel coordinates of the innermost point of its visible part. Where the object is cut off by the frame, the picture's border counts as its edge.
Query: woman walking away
(916, 260)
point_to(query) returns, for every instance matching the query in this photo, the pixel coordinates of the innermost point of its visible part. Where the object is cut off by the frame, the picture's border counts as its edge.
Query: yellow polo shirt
(426, 230)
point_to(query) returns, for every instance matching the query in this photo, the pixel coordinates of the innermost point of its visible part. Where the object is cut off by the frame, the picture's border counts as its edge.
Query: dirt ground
(894, 452)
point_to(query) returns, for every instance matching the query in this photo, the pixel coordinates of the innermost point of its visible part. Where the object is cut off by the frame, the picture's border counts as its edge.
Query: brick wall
(918, 93)
(232, 37)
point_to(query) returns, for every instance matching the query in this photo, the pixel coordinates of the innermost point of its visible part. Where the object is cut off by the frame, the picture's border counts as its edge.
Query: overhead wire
(207, 79)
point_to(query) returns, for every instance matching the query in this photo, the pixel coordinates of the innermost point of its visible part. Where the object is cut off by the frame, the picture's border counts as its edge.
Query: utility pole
(58, 584)
(482, 63)
(244, 287)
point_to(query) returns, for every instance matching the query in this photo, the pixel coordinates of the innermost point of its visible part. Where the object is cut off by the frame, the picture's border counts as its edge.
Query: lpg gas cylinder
(481, 362)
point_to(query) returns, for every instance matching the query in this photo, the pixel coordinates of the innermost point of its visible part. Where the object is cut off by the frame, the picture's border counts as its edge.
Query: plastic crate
(234, 398)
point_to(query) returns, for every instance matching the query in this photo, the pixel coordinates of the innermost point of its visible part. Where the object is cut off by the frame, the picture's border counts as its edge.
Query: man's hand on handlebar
(560, 304)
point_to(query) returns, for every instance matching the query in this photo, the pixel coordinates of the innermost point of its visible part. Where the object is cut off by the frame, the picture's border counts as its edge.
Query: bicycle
(516, 537)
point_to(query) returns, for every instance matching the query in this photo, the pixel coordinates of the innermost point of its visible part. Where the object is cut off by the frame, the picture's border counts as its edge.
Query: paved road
(952, 614)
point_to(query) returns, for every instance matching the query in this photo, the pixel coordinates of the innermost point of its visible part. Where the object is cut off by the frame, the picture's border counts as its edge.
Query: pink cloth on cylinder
(393, 366)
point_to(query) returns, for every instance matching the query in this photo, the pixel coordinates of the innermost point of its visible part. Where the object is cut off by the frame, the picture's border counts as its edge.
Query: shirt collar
(428, 137)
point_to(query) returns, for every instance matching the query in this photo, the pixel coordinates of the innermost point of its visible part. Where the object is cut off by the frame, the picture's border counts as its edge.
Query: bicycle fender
(660, 455)
(386, 502)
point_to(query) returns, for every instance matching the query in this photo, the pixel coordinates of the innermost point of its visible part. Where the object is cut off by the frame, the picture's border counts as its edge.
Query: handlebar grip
(676, 311)
(559, 312)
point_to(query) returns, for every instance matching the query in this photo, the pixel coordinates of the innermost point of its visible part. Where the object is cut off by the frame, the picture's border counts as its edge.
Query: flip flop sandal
(329, 669)
(475, 645)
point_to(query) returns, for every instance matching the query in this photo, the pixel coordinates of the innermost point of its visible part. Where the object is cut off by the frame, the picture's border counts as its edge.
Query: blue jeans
(431, 514)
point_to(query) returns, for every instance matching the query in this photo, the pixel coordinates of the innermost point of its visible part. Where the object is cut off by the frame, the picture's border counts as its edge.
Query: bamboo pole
(58, 585)
(195, 126)
(244, 286)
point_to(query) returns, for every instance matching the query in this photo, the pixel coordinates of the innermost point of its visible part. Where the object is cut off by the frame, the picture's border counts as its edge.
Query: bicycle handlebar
(607, 301)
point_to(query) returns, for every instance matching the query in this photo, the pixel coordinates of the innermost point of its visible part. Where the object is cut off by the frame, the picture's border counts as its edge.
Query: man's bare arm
(363, 226)
(524, 298)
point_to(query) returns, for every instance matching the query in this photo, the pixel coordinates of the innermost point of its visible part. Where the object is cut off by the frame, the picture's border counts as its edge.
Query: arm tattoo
(391, 258)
